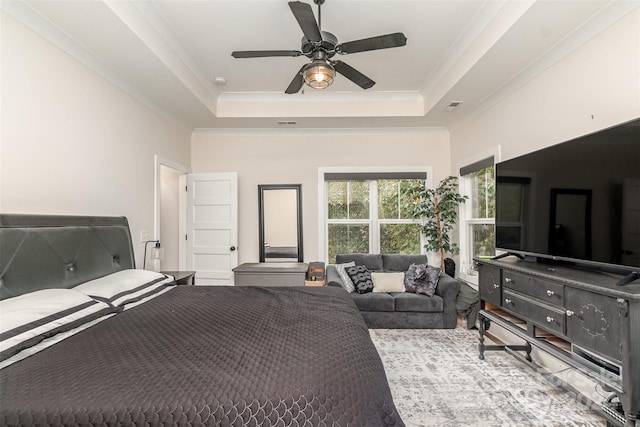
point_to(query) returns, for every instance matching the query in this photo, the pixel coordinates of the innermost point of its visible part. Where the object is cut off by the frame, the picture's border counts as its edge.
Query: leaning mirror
(280, 226)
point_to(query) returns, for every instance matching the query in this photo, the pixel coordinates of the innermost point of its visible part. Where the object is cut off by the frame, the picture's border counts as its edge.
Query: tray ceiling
(168, 54)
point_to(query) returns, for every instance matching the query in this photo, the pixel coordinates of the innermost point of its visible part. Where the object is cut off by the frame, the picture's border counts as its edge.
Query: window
(348, 222)
(367, 213)
(477, 217)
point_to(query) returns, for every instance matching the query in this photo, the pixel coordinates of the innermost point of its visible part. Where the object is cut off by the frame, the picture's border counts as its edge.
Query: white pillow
(125, 286)
(388, 282)
(28, 319)
(347, 283)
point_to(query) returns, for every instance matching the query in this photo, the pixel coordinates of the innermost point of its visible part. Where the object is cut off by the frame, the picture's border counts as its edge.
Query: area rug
(437, 379)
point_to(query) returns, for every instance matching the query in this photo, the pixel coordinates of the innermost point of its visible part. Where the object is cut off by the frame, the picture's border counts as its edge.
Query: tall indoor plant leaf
(438, 209)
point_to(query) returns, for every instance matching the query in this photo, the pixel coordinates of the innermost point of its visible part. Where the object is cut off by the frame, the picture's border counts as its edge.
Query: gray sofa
(402, 310)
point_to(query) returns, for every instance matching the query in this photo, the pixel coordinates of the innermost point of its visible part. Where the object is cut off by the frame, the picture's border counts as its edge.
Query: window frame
(466, 219)
(374, 234)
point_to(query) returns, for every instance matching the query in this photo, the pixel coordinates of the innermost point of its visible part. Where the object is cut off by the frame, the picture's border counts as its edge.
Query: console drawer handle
(496, 286)
(570, 313)
(550, 293)
(507, 301)
(549, 319)
(508, 280)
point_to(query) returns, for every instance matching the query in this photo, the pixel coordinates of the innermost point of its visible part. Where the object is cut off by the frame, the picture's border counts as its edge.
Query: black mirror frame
(261, 189)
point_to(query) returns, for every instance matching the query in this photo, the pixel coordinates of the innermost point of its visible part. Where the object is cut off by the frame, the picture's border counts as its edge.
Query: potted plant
(438, 208)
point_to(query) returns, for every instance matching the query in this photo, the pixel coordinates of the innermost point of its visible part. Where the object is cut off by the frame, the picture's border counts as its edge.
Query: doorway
(168, 221)
(195, 220)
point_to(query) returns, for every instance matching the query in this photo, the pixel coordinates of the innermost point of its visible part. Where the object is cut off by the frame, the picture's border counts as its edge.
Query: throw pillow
(361, 278)
(388, 282)
(422, 279)
(347, 284)
(412, 275)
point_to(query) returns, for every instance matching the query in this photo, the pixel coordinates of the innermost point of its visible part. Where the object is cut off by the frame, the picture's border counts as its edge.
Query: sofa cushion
(372, 261)
(401, 262)
(361, 278)
(388, 282)
(371, 301)
(415, 302)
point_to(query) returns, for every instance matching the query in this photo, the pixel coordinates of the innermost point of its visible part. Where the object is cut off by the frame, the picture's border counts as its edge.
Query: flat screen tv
(576, 202)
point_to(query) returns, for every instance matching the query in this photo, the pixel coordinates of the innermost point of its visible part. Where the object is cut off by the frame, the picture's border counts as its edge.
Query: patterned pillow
(361, 278)
(347, 284)
(421, 279)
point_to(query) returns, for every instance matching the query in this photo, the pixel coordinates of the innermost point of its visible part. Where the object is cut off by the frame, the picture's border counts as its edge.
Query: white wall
(294, 156)
(73, 143)
(594, 87)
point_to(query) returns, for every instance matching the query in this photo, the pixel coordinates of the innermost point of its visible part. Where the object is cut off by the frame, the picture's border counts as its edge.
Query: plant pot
(450, 267)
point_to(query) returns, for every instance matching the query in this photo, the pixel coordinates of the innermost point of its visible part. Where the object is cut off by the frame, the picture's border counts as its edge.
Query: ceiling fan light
(319, 75)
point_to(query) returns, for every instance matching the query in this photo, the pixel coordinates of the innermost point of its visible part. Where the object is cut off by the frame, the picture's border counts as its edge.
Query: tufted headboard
(52, 251)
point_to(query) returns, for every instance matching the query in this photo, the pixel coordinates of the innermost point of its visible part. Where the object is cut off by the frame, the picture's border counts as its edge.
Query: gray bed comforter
(223, 356)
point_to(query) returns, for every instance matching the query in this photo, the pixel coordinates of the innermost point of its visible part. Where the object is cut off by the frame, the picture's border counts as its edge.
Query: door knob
(232, 248)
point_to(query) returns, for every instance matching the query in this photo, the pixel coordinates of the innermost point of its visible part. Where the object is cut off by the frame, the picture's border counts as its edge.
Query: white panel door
(212, 227)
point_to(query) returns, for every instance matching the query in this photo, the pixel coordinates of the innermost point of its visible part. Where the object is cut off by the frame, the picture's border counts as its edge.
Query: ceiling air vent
(453, 105)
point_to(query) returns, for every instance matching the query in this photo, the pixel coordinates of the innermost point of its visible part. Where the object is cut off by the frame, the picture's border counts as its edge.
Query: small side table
(182, 277)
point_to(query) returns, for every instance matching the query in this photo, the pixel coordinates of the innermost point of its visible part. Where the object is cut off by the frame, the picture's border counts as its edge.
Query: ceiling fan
(320, 46)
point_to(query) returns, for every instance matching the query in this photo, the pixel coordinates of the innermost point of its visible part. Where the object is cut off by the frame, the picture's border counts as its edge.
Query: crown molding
(322, 104)
(238, 132)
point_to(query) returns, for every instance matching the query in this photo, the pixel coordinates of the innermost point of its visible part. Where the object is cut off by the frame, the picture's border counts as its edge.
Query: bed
(162, 354)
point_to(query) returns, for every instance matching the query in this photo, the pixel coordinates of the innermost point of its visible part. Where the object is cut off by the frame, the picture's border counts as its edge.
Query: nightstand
(182, 277)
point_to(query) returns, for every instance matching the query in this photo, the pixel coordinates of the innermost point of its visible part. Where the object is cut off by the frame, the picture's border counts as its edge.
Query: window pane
(358, 200)
(400, 238)
(337, 208)
(347, 238)
(388, 199)
(406, 208)
(393, 202)
(348, 200)
(482, 193)
(482, 240)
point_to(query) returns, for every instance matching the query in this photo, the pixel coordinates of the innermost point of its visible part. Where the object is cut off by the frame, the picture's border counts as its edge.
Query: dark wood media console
(580, 316)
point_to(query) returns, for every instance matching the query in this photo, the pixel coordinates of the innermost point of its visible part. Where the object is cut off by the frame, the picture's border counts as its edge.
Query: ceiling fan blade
(264, 53)
(352, 74)
(296, 83)
(373, 43)
(306, 19)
